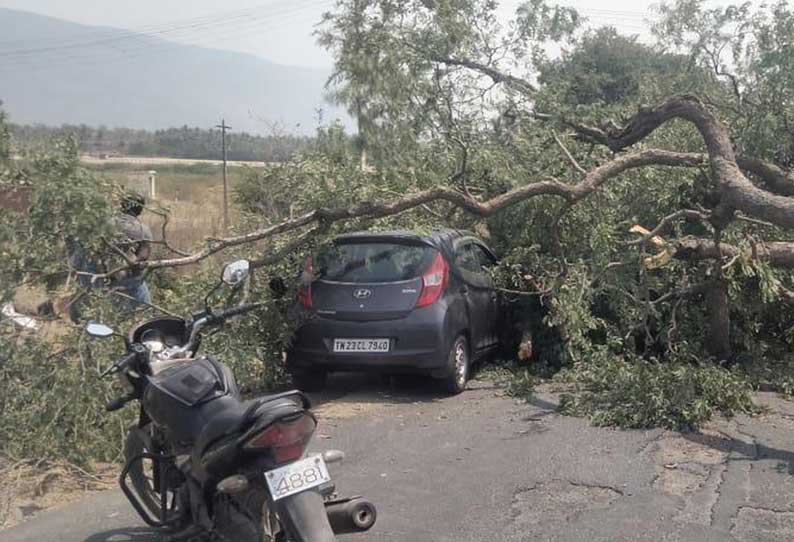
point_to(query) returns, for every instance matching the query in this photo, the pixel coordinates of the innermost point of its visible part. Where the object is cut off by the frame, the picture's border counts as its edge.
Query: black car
(397, 302)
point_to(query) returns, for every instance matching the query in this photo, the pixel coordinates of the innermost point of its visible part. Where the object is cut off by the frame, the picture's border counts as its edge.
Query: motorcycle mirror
(99, 331)
(277, 287)
(236, 272)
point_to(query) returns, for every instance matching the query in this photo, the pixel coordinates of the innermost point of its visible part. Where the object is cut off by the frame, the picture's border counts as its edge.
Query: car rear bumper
(418, 343)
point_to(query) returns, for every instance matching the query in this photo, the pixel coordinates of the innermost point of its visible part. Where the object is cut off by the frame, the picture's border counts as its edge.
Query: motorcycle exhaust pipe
(352, 515)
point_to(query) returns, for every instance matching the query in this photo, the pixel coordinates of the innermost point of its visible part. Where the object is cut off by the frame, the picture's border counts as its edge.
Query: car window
(467, 258)
(470, 259)
(485, 260)
(373, 262)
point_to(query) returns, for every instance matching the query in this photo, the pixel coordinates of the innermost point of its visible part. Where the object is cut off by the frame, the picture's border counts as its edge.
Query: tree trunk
(718, 341)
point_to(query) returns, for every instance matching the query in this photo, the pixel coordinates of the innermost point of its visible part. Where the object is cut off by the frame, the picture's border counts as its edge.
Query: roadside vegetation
(184, 142)
(639, 195)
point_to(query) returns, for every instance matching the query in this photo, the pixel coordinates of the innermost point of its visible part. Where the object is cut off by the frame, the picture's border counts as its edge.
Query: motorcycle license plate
(296, 477)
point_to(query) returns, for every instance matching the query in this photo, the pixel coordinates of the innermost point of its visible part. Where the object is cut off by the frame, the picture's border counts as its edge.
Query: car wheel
(459, 363)
(311, 381)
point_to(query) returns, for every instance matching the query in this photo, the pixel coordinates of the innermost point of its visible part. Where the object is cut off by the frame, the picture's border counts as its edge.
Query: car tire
(459, 363)
(311, 381)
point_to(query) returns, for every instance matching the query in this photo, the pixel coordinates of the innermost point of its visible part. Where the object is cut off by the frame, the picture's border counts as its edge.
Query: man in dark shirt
(134, 238)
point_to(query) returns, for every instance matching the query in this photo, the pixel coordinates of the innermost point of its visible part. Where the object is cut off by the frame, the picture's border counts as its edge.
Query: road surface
(484, 467)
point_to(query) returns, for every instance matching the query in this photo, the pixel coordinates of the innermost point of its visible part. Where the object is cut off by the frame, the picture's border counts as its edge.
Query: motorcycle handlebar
(121, 363)
(222, 315)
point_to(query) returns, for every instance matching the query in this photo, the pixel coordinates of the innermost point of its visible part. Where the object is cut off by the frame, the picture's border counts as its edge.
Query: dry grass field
(192, 194)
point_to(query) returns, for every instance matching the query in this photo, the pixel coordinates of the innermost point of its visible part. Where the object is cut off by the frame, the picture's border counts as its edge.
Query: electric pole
(223, 128)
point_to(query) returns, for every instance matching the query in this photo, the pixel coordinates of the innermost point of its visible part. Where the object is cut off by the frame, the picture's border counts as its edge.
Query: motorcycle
(201, 461)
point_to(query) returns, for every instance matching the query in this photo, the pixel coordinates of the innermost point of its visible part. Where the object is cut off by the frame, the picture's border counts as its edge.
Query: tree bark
(718, 340)
(777, 254)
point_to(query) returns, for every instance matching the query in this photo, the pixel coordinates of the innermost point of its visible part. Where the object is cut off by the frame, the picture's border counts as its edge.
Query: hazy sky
(279, 30)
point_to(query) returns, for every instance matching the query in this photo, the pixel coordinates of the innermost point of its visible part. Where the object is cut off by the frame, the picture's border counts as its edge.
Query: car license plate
(361, 345)
(296, 477)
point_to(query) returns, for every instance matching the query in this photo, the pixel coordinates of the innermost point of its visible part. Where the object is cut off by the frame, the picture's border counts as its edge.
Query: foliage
(66, 204)
(51, 398)
(633, 392)
(52, 403)
(416, 75)
(607, 68)
(519, 382)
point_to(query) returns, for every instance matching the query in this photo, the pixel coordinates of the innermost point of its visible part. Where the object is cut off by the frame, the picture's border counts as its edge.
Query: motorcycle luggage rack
(137, 501)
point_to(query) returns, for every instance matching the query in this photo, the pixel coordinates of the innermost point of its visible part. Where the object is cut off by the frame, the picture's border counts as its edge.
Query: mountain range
(57, 72)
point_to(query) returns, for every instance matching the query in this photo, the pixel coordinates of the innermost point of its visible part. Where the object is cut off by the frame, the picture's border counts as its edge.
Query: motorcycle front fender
(304, 519)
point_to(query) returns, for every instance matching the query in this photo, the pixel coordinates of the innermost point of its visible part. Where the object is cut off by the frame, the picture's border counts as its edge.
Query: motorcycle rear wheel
(248, 518)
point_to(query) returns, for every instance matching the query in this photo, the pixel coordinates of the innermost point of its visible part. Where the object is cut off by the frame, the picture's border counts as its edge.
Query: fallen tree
(449, 137)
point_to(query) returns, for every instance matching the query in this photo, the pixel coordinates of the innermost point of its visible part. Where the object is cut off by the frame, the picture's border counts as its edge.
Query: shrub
(639, 393)
(52, 402)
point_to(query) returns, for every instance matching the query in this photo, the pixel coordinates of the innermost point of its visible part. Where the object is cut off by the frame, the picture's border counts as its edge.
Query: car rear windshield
(373, 262)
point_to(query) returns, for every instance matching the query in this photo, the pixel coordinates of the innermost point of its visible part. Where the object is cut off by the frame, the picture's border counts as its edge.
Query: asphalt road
(484, 467)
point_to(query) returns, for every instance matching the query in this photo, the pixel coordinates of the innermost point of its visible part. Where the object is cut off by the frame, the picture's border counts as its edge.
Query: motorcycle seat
(227, 416)
(230, 418)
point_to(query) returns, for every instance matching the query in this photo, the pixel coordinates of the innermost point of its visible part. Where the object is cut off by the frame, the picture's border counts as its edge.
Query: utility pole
(223, 128)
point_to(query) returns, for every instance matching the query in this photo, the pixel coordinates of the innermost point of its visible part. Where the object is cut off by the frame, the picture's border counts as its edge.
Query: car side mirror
(99, 331)
(235, 273)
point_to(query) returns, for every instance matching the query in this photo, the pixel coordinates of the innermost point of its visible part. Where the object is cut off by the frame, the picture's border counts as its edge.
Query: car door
(487, 261)
(477, 290)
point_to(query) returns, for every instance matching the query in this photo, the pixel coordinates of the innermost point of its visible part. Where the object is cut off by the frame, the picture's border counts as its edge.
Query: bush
(640, 393)
(52, 401)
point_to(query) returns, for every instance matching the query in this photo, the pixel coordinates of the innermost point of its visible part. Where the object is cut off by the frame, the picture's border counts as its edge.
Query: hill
(54, 72)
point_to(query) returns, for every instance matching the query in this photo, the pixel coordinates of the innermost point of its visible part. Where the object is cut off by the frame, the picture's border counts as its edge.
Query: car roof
(442, 239)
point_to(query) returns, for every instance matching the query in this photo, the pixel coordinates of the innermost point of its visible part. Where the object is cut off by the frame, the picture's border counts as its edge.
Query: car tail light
(305, 291)
(434, 281)
(286, 439)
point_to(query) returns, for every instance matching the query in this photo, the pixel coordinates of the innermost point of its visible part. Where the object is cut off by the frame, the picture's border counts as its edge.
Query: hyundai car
(396, 302)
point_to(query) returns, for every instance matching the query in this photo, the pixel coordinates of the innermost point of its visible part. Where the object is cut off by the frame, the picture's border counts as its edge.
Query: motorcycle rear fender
(304, 518)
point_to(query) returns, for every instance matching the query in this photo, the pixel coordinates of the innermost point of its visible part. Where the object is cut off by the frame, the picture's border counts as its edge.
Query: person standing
(134, 239)
(131, 237)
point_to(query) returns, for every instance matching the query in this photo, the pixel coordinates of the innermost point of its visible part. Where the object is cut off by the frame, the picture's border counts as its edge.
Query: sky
(278, 30)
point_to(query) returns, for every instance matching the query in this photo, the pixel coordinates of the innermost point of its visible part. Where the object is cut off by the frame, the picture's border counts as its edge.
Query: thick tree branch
(737, 192)
(776, 178)
(742, 194)
(776, 254)
(324, 217)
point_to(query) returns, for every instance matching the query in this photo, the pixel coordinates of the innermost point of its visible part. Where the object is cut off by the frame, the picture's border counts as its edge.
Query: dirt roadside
(28, 488)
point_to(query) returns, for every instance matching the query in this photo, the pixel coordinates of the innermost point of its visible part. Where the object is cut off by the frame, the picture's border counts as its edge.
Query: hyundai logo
(362, 293)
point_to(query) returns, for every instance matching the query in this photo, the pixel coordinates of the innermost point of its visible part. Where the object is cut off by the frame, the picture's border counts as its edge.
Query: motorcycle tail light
(305, 291)
(434, 281)
(286, 439)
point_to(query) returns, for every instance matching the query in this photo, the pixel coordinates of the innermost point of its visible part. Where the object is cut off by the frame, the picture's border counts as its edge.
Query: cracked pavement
(482, 466)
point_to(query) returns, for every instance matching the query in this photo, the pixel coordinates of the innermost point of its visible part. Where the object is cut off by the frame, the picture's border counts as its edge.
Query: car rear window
(373, 262)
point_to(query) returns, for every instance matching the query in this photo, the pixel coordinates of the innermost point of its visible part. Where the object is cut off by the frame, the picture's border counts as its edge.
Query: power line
(164, 30)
